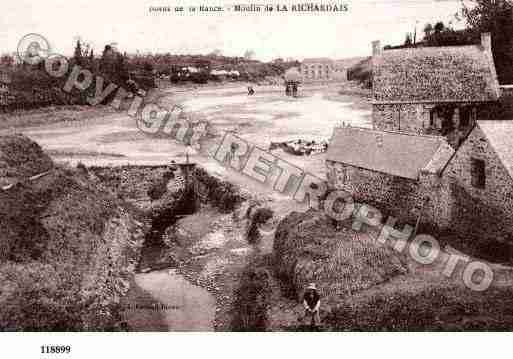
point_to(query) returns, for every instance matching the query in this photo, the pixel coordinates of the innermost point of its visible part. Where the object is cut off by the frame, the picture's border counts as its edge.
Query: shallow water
(182, 306)
(260, 119)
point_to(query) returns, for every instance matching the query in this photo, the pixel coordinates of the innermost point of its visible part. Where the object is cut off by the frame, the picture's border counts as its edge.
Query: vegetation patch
(252, 298)
(221, 194)
(68, 248)
(260, 216)
(434, 308)
(307, 248)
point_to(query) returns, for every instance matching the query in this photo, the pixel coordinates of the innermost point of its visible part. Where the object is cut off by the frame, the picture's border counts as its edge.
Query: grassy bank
(68, 246)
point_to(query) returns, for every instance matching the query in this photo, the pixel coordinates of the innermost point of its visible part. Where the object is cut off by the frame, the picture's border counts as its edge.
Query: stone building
(479, 185)
(465, 193)
(396, 172)
(440, 154)
(322, 69)
(434, 90)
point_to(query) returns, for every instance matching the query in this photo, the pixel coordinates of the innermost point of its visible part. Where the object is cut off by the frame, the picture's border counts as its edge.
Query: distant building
(5, 93)
(322, 69)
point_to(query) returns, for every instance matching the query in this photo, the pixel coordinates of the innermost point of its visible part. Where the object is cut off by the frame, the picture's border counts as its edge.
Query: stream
(168, 302)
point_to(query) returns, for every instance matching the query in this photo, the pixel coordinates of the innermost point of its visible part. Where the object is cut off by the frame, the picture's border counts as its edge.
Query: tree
(496, 17)
(107, 61)
(249, 54)
(78, 53)
(428, 30)
(408, 42)
(6, 60)
(121, 71)
(439, 27)
(148, 67)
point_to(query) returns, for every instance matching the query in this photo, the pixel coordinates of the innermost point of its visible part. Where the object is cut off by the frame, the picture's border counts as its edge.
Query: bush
(199, 77)
(260, 216)
(307, 248)
(221, 194)
(446, 308)
(67, 247)
(36, 297)
(252, 299)
(361, 72)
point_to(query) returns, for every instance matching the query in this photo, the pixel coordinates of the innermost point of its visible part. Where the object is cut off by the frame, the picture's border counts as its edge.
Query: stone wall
(478, 221)
(400, 117)
(394, 196)
(417, 118)
(482, 217)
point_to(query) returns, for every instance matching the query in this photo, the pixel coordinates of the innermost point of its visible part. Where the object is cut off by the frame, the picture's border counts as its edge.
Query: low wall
(394, 196)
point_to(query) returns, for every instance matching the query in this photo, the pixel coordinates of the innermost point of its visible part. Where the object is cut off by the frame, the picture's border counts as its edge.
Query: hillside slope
(67, 249)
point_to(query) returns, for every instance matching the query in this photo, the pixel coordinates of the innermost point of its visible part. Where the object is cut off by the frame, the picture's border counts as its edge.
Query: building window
(477, 172)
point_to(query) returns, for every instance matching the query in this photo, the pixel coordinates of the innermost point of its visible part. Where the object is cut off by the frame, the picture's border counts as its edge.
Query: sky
(270, 35)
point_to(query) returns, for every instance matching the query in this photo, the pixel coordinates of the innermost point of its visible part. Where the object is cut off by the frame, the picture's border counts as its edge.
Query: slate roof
(435, 74)
(395, 153)
(500, 138)
(317, 60)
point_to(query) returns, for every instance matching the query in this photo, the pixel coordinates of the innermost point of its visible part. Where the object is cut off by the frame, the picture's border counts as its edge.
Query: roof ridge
(406, 133)
(434, 47)
(435, 74)
(397, 153)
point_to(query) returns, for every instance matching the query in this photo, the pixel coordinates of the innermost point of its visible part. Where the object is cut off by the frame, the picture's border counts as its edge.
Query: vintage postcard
(189, 166)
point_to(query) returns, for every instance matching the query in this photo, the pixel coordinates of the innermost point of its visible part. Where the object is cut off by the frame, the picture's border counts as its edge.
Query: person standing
(312, 303)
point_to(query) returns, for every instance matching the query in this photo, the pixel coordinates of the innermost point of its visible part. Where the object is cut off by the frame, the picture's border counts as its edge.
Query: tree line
(493, 16)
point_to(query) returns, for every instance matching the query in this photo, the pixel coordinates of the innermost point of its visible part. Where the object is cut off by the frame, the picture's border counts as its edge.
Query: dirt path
(166, 301)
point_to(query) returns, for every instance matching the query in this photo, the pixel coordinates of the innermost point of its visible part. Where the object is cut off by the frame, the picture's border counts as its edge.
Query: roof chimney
(376, 48)
(486, 41)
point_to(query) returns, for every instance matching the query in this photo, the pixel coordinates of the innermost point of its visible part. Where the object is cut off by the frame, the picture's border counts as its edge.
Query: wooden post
(187, 169)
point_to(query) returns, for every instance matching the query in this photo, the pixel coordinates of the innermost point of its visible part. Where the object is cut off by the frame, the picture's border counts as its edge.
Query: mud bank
(166, 293)
(166, 301)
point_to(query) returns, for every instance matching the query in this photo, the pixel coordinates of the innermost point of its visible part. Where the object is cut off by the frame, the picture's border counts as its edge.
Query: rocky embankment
(68, 246)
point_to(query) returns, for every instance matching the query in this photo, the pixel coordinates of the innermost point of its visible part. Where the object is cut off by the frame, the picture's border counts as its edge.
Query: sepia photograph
(319, 167)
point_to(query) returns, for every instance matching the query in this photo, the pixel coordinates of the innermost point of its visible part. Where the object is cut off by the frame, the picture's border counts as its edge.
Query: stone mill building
(440, 152)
